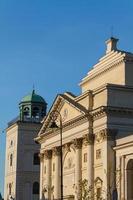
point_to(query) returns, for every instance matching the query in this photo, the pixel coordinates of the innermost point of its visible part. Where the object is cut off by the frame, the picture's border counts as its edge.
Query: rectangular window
(85, 157)
(98, 193)
(98, 153)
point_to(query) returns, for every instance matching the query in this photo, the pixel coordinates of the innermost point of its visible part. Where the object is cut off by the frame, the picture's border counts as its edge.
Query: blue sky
(53, 44)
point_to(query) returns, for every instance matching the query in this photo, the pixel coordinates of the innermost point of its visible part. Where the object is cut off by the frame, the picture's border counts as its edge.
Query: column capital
(47, 154)
(88, 139)
(105, 134)
(41, 156)
(77, 143)
(56, 151)
(66, 147)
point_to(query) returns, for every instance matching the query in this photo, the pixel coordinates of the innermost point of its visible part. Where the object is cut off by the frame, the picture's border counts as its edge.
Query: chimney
(111, 45)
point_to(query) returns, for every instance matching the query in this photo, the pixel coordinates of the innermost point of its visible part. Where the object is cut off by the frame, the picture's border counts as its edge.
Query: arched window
(35, 112)
(11, 160)
(35, 188)
(36, 159)
(26, 112)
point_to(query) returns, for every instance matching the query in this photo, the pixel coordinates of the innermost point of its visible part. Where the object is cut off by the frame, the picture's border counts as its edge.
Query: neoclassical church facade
(94, 134)
(22, 167)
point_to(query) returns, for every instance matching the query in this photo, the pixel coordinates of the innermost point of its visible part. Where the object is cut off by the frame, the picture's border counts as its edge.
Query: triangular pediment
(64, 108)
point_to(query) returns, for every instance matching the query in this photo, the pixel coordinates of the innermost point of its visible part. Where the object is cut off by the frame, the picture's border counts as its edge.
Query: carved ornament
(88, 139)
(105, 134)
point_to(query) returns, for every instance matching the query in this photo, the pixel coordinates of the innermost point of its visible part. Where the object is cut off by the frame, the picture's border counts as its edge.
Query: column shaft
(57, 182)
(90, 160)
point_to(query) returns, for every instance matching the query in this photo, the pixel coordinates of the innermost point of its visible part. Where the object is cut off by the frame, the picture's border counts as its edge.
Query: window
(98, 193)
(53, 167)
(85, 157)
(35, 188)
(11, 144)
(35, 112)
(98, 153)
(11, 160)
(26, 112)
(36, 160)
(10, 188)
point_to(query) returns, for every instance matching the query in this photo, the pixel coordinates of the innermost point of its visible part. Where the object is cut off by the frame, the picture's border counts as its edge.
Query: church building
(92, 136)
(22, 167)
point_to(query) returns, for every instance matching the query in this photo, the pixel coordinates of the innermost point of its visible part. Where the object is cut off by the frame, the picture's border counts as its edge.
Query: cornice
(104, 110)
(123, 146)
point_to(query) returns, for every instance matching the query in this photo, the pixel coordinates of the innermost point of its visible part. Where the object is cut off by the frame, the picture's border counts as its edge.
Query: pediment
(66, 107)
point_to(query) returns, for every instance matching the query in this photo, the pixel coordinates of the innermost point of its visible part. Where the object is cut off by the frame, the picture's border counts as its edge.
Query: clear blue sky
(52, 44)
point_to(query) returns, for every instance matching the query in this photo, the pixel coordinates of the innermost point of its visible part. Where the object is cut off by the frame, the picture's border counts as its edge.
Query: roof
(33, 97)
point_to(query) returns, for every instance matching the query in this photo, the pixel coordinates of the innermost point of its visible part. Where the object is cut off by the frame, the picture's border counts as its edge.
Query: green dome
(33, 97)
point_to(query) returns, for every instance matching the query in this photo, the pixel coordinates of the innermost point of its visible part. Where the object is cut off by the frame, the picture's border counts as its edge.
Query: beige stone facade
(21, 173)
(97, 131)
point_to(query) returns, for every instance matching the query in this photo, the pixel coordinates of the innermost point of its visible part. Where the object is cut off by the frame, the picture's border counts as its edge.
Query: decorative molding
(105, 134)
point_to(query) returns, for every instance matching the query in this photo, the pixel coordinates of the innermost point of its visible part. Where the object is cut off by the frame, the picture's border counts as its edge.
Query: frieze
(105, 134)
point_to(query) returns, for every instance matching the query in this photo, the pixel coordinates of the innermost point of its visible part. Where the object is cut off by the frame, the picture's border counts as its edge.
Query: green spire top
(32, 107)
(33, 97)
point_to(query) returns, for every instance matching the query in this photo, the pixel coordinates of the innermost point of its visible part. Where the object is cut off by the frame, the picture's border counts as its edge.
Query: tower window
(35, 188)
(35, 112)
(26, 112)
(98, 193)
(36, 159)
(11, 160)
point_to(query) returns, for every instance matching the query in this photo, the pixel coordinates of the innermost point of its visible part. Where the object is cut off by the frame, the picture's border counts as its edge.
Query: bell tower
(22, 167)
(32, 108)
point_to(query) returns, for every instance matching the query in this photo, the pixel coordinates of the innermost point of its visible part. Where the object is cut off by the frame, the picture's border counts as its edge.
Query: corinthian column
(47, 156)
(88, 141)
(57, 179)
(78, 164)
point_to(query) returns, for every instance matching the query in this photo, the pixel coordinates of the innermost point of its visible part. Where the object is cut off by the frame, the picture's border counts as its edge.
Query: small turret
(111, 44)
(32, 108)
